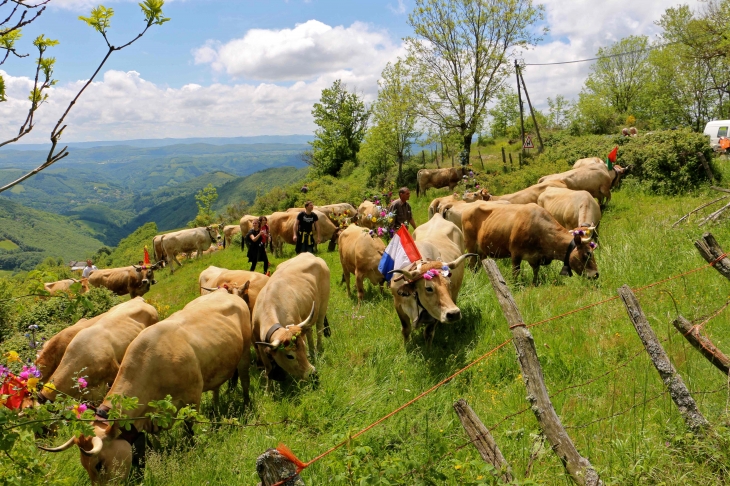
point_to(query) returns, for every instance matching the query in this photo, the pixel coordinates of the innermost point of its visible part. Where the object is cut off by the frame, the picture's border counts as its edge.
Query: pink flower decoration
(380, 231)
(80, 409)
(427, 276)
(83, 383)
(382, 214)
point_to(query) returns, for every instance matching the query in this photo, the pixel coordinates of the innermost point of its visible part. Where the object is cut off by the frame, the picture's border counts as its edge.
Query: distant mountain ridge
(164, 142)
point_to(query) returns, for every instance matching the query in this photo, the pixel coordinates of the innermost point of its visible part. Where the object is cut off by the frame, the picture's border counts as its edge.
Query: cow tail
(418, 184)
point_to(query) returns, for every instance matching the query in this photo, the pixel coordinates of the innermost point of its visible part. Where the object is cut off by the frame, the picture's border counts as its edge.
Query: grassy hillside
(616, 414)
(27, 236)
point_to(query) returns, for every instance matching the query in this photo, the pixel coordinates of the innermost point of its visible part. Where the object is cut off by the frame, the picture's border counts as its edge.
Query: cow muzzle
(452, 315)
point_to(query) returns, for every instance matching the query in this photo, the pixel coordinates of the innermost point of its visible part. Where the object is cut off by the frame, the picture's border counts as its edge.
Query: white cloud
(305, 52)
(125, 106)
(580, 28)
(400, 9)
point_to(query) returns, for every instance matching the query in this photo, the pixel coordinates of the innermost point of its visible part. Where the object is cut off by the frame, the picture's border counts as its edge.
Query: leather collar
(272, 330)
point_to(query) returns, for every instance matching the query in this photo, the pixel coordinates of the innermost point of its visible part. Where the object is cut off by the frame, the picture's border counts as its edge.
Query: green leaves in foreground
(100, 18)
(152, 10)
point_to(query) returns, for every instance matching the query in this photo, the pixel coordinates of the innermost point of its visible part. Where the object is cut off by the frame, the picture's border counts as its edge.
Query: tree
(14, 12)
(394, 114)
(620, 74)
(505, 113)
(559, 110)
(342, 120)
(205, 198)
(460, 57)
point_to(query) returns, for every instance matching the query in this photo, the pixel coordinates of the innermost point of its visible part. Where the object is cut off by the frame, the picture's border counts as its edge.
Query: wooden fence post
(504, 158)
(511, 163)
(482, 440)
(579, 468)
(480, 157)
(711, 251)
(702, 158)
(677, 389)
(272, 467)
(706, 347)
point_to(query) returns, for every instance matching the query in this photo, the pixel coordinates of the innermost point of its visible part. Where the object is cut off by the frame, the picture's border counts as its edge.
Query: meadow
(603, 386)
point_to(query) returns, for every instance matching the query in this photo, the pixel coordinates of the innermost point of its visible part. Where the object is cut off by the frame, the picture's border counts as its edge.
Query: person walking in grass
(402, 210)
(256, 239)
(306, 229)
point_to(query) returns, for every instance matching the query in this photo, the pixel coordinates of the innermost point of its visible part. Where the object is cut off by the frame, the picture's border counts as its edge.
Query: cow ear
(139, 269)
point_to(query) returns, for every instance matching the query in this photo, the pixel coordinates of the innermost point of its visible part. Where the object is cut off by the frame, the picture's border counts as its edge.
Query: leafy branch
(99, 20)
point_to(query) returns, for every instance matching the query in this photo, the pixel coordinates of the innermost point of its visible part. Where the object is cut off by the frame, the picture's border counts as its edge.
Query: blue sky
(237, 68)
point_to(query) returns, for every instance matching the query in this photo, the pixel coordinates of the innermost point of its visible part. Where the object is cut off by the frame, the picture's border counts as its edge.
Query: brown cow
(452, 211)
(335, 212)
(592, 179)
(527, 232)
(157, 249)
(528, 195)
(571, 208)
(288, 307)
(180, 357)
(281, 228)
(427, 292)
(435, 206)
(134, 280)
(50, 354)
(246, 222)
(65, 285)
(616, 173)
(360, 253)
(438, 178)
(97, 351)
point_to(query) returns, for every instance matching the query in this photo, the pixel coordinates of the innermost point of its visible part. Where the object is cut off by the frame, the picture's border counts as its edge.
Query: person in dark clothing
(402, 210)
(306, 229)
(256, 240)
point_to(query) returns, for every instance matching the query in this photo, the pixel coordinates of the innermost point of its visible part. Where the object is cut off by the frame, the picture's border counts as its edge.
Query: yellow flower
(31, 383)
(457, 467)
(13, 357)
(374, 220)
(479, 478)
(49, 386)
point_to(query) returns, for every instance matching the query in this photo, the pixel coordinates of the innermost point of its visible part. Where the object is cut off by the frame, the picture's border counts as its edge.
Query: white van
(716, 129)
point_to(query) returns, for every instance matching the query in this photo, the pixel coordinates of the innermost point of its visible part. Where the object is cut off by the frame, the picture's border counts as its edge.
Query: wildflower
(79, 409)
(471, 173)
(82, 382)
(457, 467)
(13, 356)
(477, 186)
(374, 219)
(380, 231)
(31, 383)
(382, 214)
(28, 372)
(3, 371)
(49, 386)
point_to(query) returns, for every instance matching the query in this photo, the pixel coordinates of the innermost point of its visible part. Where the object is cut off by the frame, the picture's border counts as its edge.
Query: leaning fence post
(579, 468)
(677, 389)
(482, 440)
(273, 468)
(711, 251)
(706, 347)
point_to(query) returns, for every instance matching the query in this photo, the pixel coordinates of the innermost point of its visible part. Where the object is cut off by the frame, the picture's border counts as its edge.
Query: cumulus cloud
(123, 105)
(305, 52)
(578, 29)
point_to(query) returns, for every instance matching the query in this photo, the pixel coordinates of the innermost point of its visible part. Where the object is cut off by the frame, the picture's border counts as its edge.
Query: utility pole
(519, 97)
(532, 113)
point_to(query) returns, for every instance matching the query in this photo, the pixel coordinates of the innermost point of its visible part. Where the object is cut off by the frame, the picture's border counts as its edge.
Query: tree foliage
(205, 198)
(459, 53)
(342, 120)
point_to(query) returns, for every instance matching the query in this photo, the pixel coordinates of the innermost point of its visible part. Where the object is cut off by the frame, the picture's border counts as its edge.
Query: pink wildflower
(82, 383)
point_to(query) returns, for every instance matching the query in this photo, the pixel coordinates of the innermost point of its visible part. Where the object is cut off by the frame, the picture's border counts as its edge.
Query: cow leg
(405, 323)
(327, 331)
(516, 262)
(429, 332)
(216, 398)
(243, 375)
(535, 271)
(266, 359)
(359, 283)
(346, 280)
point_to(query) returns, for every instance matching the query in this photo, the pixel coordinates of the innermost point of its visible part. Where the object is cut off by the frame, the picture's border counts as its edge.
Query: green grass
(8, 245)
(366, 372)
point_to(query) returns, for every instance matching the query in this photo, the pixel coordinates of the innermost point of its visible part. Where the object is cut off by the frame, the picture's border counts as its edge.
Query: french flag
(400, 252)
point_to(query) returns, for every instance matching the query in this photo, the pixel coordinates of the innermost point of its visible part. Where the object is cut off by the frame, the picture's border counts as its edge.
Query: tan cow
(207, 276)
(96, 352)
(527, 232)
(181, 357)
(281, 227)
(157, 249)
(360, 253)
(335, 212)
(234, 278)
(365, 214)
(427, 291)
(452, 211)
(435, 206)
(438, 178)
(616, 173)
(134, 280)
(65, 285)
(228, 232)
(188, 241)
(592, 179)
(288, 307)
(246, 223)
(53, 350)
(528, 195)
(571, 208)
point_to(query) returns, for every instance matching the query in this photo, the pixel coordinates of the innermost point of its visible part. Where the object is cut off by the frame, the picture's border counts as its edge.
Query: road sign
(528, 143)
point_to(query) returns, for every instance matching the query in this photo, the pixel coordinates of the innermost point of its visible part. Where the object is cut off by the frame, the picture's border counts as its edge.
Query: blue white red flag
(400, 252)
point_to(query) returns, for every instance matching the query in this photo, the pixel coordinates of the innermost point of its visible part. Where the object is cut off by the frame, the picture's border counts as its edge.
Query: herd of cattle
(129, 351)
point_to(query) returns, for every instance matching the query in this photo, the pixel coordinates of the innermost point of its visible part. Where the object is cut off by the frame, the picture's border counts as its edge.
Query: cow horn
(68, 444)
(96, 444)
(307, 323)
(408, 275)
(460, 260)
(275, 344)
(209, 290)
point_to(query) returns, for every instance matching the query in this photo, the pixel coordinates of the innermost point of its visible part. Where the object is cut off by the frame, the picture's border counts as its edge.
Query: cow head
(423, 295)
(286, 345)
(105, 456)
(579, 255)
(146, 276)
(214, 232)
